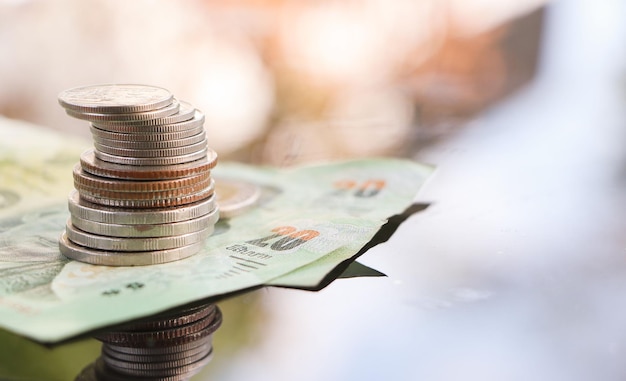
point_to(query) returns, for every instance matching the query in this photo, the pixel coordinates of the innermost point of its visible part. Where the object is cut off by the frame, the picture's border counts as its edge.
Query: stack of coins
(170, 346)
(145, 194)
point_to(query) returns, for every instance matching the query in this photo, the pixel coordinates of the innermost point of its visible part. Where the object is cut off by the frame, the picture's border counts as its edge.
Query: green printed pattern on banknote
(307, 214)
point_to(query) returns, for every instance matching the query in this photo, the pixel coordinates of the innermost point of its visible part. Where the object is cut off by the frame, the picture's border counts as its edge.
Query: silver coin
(105, 372)
(124, 244)
(102, 372)
(154, 337)
(162, 350)
(179, 370)
(113, 215)
(97, 133)
(90, 163)
(186, 118)
(149, 359)
(152, 153)
(235, 197)
(122, 98)
(122, 365)
(143, 230)
(171, 342)
(159, 113)
(139, 161)
(152, 145)
(116, 258)
(171, 319)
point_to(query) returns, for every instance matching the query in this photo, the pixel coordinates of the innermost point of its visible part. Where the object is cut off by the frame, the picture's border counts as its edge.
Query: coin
(165, 194)
(144, 115)
(123, 244)
(122, 98)
(168, 349)
(183, 120)
(153, 199)
(151, 160)
(104, 372)
(171, 319)
(124, 191)
(235, 196)
(157, 203)
(116, 258)
(142, 136)
(189, 340)
(114, 215)
(162, 363)
(152, 145)
(150, 359)
(88, 180)
(90, 163)
(145, 230)
(158, 354)
(152, 153)
(142, 371)
(142, 338)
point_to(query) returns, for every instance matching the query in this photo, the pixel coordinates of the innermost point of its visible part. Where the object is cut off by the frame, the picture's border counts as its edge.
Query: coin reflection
(174, 345)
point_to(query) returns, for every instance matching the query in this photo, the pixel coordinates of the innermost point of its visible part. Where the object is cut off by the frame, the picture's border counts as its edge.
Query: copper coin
(157, 203)
(90, 163)
(188, 190)
(83, 178)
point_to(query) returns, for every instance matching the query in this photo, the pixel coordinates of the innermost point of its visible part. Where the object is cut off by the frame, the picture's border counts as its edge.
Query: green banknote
(341, 263)
(308, 219)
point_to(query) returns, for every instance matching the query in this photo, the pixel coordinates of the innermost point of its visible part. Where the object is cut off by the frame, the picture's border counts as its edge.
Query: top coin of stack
(144, 194)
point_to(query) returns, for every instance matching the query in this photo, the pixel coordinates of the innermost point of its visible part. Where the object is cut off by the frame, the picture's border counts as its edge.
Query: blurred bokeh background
(281, 82)
(515, 272)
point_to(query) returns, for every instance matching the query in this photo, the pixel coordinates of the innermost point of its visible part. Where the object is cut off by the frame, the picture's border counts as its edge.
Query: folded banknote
(306, 221)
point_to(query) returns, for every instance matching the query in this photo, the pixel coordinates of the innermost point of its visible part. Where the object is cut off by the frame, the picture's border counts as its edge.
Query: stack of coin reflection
(170, 346)
(144, 194)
